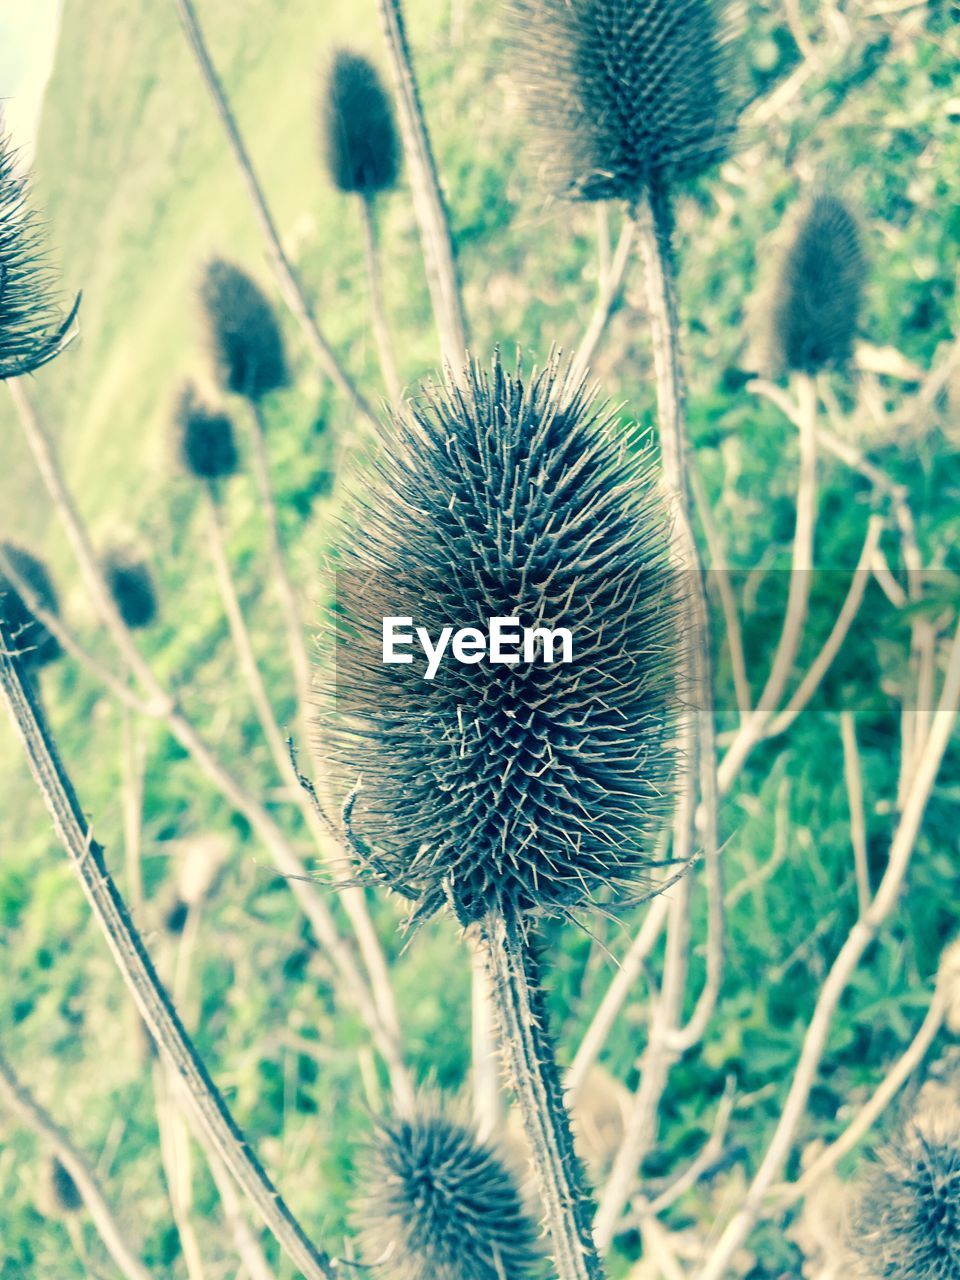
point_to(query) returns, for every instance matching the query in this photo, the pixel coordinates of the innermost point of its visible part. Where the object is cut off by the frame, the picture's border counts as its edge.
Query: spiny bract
(245, 338)
(628, 95)
(534, 785)
(438, 1204)
(907, 1226)
(130, 584)
(820, 289)
(31, 640)
(359, 132)
(207, 446)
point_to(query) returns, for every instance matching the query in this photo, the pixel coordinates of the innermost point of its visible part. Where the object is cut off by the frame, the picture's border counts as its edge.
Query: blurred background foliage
(139, 192)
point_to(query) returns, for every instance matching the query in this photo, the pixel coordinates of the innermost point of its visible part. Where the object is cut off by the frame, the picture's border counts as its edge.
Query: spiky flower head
(436, 1203)
(32, 328)
(907, 1223)
(131, 585)
(207, 446)
(359, 131)
(820, 289)
(530, 784)
(628, 96)
(34, 644)
(245, 338)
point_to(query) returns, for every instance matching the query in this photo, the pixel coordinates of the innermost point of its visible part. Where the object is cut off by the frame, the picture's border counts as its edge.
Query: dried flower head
(207, 445)
(820, 289)
(34, 644)
(359, 132)
(32, 328)
(438, 1204)
(62, 1191)
(533, 784)
(245, 337)
(907, 1223)
(627, 95)
(131, 585)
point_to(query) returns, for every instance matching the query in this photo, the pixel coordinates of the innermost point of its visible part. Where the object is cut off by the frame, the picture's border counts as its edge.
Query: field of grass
(139, 191)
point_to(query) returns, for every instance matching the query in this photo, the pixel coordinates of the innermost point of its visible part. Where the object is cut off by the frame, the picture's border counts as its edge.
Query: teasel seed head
(628, 96)
(907, 1221)
(245, 338)
(531, 786)
(131, 585)
(62, 1190)
(436, 1203)
(207, 445)
(359, 131)
(34, 644)
(32, 328)
(820, 289)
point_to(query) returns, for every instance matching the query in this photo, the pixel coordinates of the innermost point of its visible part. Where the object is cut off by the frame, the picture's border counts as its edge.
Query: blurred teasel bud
(131, 585)
(34, 644)
(59, 1196)
(207, 445)
(359, 131)
(628, 96)
(819, 289)
(32, 328)
(907, 1220)
(436, 1203)
(245, 338)
(529, 786)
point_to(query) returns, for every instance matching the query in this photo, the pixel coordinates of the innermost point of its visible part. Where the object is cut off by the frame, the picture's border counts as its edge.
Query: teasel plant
(362, 154)
(435, 1202)
(506, 798)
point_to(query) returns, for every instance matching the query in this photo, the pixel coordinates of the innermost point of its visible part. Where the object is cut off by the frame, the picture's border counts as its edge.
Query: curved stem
(429, 206)
(19, 1100)
(378, 310)
(530, 1058)
(611, 284)
(291, 288)
(137, 969)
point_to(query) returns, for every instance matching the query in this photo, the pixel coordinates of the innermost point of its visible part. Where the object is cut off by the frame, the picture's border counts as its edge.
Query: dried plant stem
(161, 706)
(137, 969)
(849, 957)
(291, 289)
(383, 1021)
(610, 285)
(17, 1098)
(853, 776)
(428, 202)
(530, 1059)
(378, 310)
(870, 1112)
(177, 1167)
(487, 1098)
(754, 727)
(244, 1238)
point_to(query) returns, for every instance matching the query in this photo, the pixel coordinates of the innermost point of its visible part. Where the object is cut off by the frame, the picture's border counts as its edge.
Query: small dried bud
(32, 328)
(207, 446)
(627, 95)
(130, 584)
(438, 1204)
(820, 289)
(907, 1223)
(245, 338)
(359, 131)
(34, 644)
(62, 1190)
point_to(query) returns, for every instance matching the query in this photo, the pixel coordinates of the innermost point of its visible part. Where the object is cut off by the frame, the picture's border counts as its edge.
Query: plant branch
(853, 777)
(610, 286)
(131, 957)
(378, 310)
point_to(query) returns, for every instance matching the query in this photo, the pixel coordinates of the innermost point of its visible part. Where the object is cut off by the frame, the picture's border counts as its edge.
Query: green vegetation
(140, 192)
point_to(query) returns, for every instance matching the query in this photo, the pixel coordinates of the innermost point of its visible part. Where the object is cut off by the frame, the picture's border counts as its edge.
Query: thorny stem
(19, 1100)
(161, 706)
(428, 202)
(530, 1060)
(487, 1101)
(850, 955)
(137, 969)
(290, 286)
(378, 310)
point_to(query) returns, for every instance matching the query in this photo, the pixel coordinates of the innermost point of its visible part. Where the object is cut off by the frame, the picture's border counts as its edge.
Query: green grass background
(139, 190)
